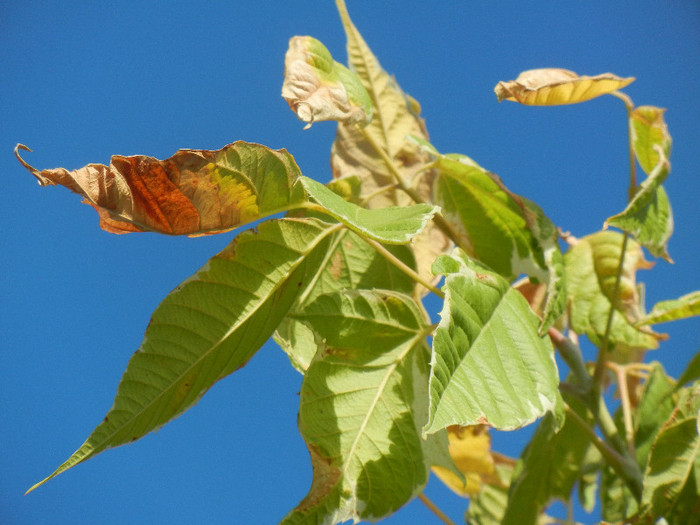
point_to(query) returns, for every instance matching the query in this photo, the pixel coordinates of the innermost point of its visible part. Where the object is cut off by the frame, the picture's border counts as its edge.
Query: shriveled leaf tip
(554, 87)
(318, 88)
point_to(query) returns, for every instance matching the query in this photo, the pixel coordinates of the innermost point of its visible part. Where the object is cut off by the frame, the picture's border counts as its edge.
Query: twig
(621, 373)
(402, 266)
(441, 515)
(625, 467)
(572, 356)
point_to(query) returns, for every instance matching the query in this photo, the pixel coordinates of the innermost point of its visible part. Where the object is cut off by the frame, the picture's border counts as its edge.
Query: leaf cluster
(339, 280)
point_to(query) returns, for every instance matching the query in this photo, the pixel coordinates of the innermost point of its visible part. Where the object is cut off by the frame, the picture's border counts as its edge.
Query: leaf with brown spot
(555, 87)
(194, 192)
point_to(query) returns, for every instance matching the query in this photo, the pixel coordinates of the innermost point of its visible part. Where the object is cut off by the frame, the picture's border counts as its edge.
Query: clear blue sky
(84, 80)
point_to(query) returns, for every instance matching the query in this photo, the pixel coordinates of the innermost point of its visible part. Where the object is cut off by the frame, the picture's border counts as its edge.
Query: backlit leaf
(673, 456)
(194, 192)
(553, 87)
(208, 327)
(396, 116)
(395, 225)
(361, 409)
(549, 467)
(649, 133)
(691, 372)
(591, 269)
(654, 409)
(488, 507)
(648, 215)
(317, 88)
(349, 264)
(507, 232)
(489, 364)
(673, 309)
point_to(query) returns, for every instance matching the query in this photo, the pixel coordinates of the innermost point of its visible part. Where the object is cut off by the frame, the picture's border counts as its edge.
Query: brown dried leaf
(553, 87)
(194, 192)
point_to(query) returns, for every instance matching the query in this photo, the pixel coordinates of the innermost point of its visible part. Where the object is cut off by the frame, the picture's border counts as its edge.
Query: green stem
(402, 266)
(572, 356)
(625, 467)
(631, 190)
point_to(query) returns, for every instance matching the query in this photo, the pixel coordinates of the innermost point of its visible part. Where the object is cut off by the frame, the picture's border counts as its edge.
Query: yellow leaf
(470, 448)
(554, 87)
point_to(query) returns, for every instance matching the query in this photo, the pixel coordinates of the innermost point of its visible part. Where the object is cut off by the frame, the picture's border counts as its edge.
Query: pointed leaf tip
(194, 192)
(554, 87)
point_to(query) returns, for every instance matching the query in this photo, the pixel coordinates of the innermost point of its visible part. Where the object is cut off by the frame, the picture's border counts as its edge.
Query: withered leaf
(316, 87)
(553, 87)
(194, 192)
(367, 152)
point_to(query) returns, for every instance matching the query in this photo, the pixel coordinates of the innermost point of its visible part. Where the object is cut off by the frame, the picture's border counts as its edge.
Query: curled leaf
(194, 192)
(316, 87)
(591, 269)
(554, 87)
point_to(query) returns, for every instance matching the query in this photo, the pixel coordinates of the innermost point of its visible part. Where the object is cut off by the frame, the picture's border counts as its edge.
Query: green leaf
(691, 372)
(673, 309)
(489, 364)
(648, 215)
(376, 320)
(654, 409)
(591, 269)
(208, 327)
(616, 499)
(650, 138)
(395, 225)
(362, 407)
(509, 233)
(549, 467)
(349, 264)
(317, 88)
(487, 218)
(673, 456)
(488, 507)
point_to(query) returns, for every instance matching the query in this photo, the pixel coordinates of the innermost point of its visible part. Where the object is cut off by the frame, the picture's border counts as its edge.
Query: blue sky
(84, 80)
